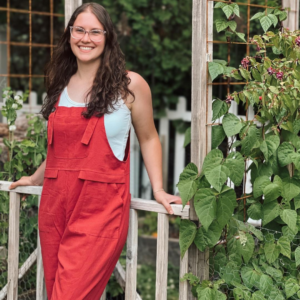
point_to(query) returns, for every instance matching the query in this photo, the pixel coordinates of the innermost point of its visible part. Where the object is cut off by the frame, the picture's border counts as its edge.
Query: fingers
(168, 208)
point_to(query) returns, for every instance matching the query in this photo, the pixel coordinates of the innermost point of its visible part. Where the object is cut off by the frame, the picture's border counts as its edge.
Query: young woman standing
(84, 210)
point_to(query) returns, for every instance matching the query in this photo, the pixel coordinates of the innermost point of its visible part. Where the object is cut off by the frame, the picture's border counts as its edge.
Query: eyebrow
(91, 29)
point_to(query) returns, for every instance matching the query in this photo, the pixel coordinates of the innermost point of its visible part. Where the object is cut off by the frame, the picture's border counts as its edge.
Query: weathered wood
(131, 256)
(183, 286)
(70, 6)
(13, 246)
(162, 257)
(41, 292)
(292, 22)
(31, 190)
(201, 111)
(150, 205)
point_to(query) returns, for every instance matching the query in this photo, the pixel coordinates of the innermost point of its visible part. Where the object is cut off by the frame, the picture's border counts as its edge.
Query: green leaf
(217, 176)
(245, 74)
(297, 256)
(236, 9)
(256, 75)
(273, 19)
(255, 211)
(259, 184)
(213, 234)
(230, 272)
(276, 274)
(272, 252)
(228, 10)
(297, 202)
(257, 16)
(265, 284)
(187, 189)
(219, 109)
(241, 36)
(274, 89)
(187, 233)
(220, 5)
(285, 151)
(226, 203)
(249, 140)
(232, 25)
(236, 165)
(291, 287)
(285, 246)
(289, 217)
(271, 211)
(269, 146)
(205, 206)
(200, 240)
(247, 249)
(258, 295)
(250, 277)
(187, 137)
(265, 23)
(231, 124)
(212, 159)
(205, 293)
(290, 188)
(221, 25)
(215, 70)
(189, 172)
(271, 191)
(218, 135)
(289, 233)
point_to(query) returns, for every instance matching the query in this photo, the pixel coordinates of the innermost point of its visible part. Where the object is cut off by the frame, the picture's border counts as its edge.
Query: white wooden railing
(126, 279)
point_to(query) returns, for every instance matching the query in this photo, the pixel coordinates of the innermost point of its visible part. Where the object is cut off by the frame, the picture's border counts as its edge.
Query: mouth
(85, 48)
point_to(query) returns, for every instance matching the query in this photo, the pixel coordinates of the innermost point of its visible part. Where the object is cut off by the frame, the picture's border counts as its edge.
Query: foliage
(246, 262)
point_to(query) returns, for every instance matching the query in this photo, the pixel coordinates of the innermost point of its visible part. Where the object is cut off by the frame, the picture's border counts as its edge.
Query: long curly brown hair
(111, 80)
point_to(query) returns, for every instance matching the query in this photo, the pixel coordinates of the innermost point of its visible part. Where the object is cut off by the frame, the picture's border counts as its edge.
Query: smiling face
(86, 50)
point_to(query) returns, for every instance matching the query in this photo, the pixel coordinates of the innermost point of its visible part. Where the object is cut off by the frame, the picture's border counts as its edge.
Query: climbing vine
(248, 262)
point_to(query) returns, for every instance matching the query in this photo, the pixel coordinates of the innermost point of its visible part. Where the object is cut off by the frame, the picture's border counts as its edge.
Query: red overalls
(84, 209)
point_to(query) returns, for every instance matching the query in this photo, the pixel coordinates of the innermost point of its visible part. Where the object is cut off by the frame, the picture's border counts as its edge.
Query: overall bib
(84, 208)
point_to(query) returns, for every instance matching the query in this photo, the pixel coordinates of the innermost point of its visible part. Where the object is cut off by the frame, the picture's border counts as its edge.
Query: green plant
(248, 262)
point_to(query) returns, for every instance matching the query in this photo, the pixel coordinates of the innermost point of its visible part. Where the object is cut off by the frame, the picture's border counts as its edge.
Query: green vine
(248, 262)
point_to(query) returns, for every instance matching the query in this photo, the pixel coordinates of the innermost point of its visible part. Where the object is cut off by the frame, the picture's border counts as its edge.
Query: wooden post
(131, 256)
(292, 22)
(162, 257)
(41, 292)
(201, 115)
(70, 6)
(13, 246)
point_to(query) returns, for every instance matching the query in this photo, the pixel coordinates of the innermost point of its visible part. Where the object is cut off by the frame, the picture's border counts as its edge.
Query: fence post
(292, 22)
(70, 6)
(41, 293)
(201, 112)
(13, 246)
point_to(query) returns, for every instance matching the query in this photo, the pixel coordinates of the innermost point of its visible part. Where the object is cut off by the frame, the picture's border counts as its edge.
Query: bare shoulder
(140, 88)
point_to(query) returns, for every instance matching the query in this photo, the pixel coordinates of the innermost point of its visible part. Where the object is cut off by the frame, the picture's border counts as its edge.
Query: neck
(87, 71)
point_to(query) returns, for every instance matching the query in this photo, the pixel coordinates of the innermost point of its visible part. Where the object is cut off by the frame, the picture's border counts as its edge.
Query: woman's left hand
(166, 199)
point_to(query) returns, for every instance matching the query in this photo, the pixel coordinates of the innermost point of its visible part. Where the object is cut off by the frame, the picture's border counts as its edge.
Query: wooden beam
(292, 22)
(13, 246)
(70, 6)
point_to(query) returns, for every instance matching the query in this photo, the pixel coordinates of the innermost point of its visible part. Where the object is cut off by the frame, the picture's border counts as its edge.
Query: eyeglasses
(96, 35)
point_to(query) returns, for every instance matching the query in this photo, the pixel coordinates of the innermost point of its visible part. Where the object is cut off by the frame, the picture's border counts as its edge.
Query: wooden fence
(126, 278)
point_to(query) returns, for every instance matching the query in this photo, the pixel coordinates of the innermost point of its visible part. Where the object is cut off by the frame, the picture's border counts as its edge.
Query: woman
(84, 210)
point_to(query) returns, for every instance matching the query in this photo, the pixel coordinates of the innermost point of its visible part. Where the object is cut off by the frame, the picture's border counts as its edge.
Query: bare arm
(142, 118)
(36, 179)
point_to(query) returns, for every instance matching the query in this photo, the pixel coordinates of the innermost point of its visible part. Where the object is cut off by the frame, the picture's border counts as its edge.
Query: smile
(85, 48)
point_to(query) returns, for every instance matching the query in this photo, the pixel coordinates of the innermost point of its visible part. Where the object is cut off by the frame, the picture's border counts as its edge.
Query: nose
(86, 37)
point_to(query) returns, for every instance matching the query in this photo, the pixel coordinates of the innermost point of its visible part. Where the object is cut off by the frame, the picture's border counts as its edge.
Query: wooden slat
(41, 292)
(183, 286)
(13, 246)
(162, 257)
(70, 6)
(131, 256)
(151, 205)
(32, 190)
(292, 22)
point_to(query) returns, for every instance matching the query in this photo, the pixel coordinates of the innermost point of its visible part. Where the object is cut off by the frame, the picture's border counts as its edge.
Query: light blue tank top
(117, 123)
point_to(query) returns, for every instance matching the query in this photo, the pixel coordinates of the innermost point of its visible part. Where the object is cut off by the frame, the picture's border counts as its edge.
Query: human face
(85, 49)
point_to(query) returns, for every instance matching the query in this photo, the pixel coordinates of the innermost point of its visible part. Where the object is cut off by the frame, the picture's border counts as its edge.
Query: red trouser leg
(83, 228)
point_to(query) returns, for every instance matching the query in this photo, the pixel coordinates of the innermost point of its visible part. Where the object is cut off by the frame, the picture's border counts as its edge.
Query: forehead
(87, 20)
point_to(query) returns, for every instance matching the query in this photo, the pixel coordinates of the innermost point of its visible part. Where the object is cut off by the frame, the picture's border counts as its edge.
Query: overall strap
(51, 122)
(89, 130)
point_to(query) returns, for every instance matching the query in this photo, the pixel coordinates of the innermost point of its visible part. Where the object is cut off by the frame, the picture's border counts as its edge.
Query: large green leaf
(205, 206)
(212, 159)
(297, 256)
(250, 277)
(269, 146)
(187, 189)
(218, 136)
(291, 287)
(219, 109)
(187, 233)
(200, 240)
(255, 211)
(217, 176)
(221, 25)
(189, 172)
(228, 10)
(230, 272)
(213, 234)
(266, 23)
(231, 124)
(187, 137)
(271, 191)
(259, 184)
(247, 249)
(258, 295)
(265, 284)
(236, 9)
(205, 293)
(290, 188)
(226, 203)
(271, 210)
(215, 69)
(285, 151)
(285, 246)
(272, 252)
(289, 217)
(236, 165)
(249, 141)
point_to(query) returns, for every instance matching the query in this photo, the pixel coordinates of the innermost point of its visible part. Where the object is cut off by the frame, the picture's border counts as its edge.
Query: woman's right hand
(23, 181)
